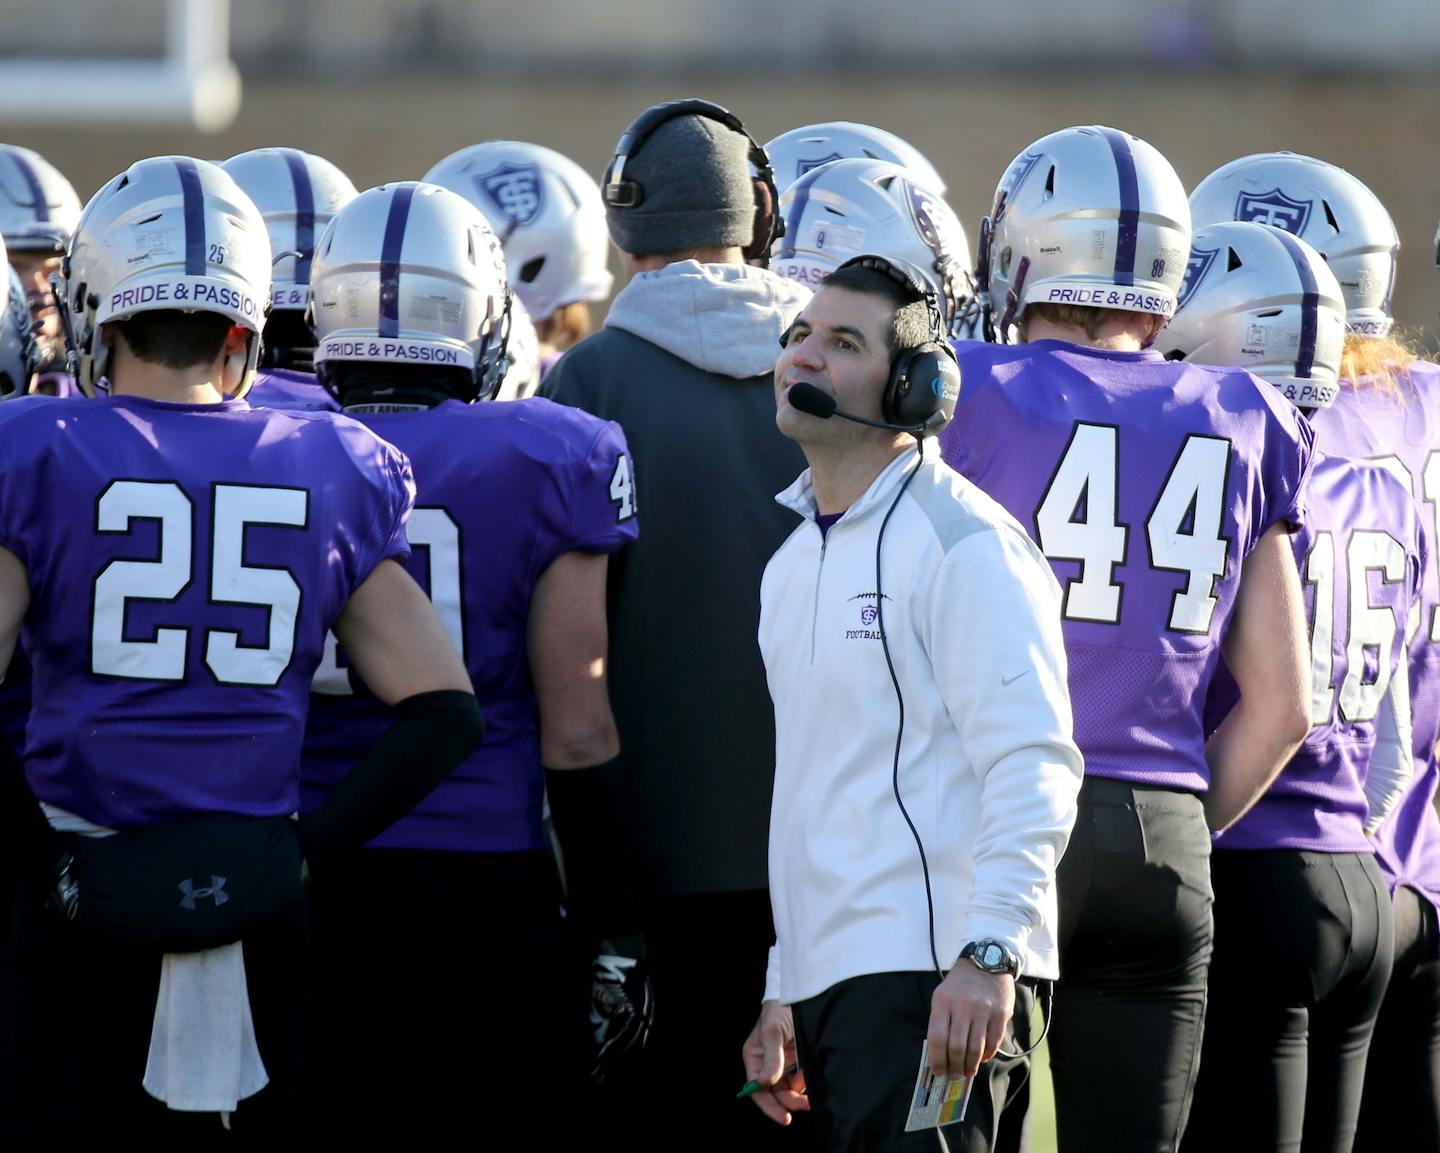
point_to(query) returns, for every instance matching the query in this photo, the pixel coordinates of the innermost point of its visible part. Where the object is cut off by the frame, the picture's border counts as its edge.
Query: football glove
(622, 1004)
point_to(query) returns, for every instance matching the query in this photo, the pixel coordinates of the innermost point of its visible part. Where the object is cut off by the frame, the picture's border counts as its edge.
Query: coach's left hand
(968, 1014)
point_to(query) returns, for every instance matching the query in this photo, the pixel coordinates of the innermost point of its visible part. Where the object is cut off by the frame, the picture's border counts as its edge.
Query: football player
(38, 210)
(454, 909)
(1388, 410)
(176, 558)
(1163, 495)
(547, 212)
(297, 194)
(801, 150)
(1296, 879)
(847, 207)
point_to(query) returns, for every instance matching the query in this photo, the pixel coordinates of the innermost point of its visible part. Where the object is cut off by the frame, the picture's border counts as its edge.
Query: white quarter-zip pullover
(988, 769)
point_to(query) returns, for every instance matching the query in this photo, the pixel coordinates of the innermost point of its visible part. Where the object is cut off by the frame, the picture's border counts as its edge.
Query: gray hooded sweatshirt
(685, 364)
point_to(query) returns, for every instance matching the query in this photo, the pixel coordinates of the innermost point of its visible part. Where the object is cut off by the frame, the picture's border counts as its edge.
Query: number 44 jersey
(1146, 483)
(185, 562)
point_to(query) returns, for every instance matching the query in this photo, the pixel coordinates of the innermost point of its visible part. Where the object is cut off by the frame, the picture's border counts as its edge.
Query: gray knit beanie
(694, 174)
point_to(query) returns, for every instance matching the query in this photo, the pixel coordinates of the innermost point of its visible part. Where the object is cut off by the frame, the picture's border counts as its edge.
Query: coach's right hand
(768, 1052)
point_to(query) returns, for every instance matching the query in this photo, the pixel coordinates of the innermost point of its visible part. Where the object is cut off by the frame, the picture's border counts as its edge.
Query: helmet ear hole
(1233, 261)
(531, 269)
(1330, 216)
(1050, 183)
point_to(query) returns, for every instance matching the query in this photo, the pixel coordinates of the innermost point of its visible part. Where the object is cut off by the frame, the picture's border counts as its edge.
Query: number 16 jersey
(1146, 483)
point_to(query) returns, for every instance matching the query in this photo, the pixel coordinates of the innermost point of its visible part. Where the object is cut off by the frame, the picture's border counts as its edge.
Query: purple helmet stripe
(304, 213)
(799, 196)
(1129, 219)
(390, 259)
(192, 194)
(32, 182)
(1309, 304)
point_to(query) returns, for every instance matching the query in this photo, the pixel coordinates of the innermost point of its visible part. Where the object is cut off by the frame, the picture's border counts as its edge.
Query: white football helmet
(1090, 216)
(522, 356)
(18, 355)
(168, 233)
(297, 193)
(849, 207)
(38, 206)
(546, 210)
(801, 150)
(1325, 206)
(410, 273)
(1256, 297)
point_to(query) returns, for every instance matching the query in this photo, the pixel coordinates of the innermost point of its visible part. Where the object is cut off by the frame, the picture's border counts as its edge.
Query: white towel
(203, 1057)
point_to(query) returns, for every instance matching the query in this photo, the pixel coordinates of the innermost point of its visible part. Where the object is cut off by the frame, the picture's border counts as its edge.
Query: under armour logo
(215, 889)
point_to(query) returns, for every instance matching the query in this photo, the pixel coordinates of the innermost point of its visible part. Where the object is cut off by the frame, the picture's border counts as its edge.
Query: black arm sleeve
(432, 734)
(597, 874)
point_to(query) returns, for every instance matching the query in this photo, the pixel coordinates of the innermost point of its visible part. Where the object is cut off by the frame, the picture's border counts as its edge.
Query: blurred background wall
(386, 87)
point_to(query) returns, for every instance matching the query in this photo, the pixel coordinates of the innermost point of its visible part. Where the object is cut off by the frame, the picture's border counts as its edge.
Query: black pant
(1402, 1078)
(1135, 937)
(707, 962)
(859, 1044)
(1303, 946)
(445, 1000)
(76, 1010)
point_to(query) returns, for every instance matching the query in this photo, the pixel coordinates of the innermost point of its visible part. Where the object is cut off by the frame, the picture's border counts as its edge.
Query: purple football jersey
(185, 562)
(1360, 557)
(504, 489)
(1400, 429)
(1145, 482)
(290, 388)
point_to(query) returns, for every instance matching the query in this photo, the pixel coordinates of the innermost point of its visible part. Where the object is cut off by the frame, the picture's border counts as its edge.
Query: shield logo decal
(515, 190)
(1195, 270)
(804, 166)
(1274, 207)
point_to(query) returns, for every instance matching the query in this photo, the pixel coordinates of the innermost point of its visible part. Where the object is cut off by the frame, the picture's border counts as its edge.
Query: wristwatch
(992, 957)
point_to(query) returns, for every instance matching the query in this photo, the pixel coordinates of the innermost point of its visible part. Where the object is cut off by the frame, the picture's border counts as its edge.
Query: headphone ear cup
(764, 232)
(924, 382)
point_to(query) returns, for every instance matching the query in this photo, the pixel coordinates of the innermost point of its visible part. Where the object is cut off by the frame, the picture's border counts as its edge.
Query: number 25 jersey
(1146, 483)
(185, 562)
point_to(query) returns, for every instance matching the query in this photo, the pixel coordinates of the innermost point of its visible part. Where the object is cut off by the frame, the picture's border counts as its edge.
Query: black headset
(924, 382)
(623, 193)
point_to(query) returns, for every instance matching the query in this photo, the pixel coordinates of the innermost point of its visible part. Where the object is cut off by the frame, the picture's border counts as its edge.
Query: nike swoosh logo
(1007, 681)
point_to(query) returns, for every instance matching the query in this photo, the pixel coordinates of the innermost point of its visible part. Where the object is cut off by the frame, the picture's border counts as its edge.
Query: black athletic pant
(859, 1044)
(1402, 1077)
(707, 962)
(76, 1011)
(447, 1007)
(1303, 946)
(1135, 937)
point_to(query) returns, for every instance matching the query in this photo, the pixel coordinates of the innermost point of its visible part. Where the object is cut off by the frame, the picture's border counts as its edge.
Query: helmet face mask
(168, 234)
(410, 273)
(802, 150)
(19, 356)
(548, 214)
(1325, 206)
(1086, 216)
(1257, 298)
(849, 207)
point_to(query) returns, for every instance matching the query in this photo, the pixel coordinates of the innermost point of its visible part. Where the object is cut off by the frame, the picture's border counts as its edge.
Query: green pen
(752, 1087)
